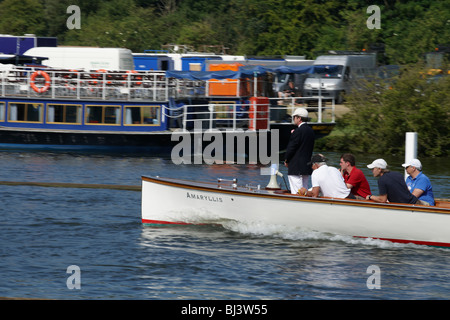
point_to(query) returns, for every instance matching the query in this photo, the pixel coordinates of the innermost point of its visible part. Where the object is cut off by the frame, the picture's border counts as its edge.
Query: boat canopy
(248, 72)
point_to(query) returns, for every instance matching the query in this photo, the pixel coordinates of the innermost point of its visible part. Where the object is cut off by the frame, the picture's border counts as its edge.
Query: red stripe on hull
(425, 243)
(164, 222)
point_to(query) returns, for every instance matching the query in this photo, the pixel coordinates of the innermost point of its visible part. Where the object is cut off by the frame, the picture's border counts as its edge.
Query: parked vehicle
(337, 82)
(18, 45)
(438, 62)
(85, 58)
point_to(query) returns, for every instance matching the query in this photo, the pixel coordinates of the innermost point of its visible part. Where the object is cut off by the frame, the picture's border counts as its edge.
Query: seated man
(325, 180)
(354, 178)
(391, 185)
(418, 183)
(287, 90)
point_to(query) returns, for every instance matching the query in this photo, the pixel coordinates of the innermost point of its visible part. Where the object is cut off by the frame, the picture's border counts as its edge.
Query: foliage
(21, 17)
(250, 27)
(382, 112)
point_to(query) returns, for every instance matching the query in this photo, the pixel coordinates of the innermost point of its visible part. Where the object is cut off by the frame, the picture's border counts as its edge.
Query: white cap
(379, 163)
(413, 162)
(301, 112)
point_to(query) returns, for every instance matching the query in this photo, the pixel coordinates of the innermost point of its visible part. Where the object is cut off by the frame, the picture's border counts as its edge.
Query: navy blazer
(299, 150)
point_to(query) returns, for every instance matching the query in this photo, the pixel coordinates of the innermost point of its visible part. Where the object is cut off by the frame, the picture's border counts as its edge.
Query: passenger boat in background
(43, 108)
(169, 202)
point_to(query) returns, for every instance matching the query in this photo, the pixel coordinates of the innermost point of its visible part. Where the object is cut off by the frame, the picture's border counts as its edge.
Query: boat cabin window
(103, 115)
(142, 115)
(26, 112)
(64, 113)
(2, 111)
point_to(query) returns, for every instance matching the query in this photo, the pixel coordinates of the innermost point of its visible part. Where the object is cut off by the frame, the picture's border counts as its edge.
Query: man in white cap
(299, 151)
(418, 183)
(391, 185)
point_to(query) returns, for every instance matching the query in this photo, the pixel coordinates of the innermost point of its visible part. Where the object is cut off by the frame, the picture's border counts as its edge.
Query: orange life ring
(47, 81)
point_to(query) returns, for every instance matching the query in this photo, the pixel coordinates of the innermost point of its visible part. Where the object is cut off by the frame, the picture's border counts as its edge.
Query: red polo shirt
(359, 182)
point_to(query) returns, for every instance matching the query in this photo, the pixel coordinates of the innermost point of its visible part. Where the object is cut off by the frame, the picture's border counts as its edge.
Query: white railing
(70, 84)
(114, 85)
(233, 115)
(223, 116)
(321, 109)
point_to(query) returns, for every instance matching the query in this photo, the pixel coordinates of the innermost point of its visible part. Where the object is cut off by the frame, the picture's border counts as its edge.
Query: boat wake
(261, 229)
(202, 216)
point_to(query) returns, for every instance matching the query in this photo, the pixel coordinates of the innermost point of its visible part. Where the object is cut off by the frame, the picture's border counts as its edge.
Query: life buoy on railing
(47, 81)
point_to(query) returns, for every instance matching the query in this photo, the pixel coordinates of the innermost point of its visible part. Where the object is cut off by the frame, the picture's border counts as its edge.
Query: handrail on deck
(80, 84)
(323, 104)
(119, 85)
(234, 115)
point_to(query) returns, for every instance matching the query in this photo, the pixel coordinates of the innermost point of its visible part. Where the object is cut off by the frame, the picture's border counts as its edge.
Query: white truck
(85, 58)
(350, 69)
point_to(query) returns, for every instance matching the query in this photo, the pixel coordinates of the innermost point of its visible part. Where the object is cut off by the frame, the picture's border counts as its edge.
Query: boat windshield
(328, 72)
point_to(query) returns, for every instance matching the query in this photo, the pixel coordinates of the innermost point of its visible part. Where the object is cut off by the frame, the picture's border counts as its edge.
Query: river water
(43, 231)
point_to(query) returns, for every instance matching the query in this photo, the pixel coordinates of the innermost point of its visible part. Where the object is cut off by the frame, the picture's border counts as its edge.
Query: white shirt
(330, 181)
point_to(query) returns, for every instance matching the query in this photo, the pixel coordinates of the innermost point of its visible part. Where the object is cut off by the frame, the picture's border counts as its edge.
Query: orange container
(258, 113)
(228, 87)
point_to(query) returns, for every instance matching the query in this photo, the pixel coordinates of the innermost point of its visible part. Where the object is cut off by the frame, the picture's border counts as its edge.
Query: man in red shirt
(354, 178)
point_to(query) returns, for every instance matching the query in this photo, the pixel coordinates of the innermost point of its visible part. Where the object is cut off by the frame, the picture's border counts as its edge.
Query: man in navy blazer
(299, 151)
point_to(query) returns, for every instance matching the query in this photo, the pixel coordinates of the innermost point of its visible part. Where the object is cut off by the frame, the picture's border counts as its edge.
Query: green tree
(382, 113)
(20, 17)
(250, 27)
(117, 24)
(414, 27)
(293, 27)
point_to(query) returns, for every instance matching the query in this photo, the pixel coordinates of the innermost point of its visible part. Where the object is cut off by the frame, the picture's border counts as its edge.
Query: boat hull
(71, 140)
(167, 201)
(50, 139)
(123, 137)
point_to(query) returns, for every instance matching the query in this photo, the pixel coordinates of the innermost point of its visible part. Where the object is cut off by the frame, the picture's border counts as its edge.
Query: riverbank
(340, 110)
(336, 140)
